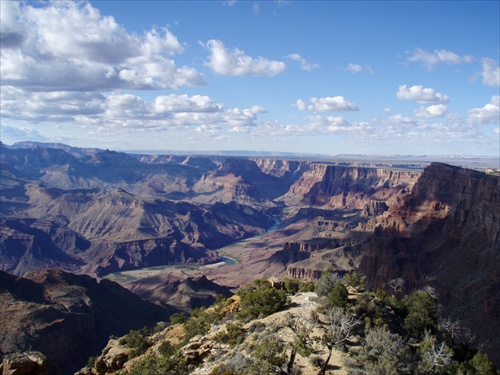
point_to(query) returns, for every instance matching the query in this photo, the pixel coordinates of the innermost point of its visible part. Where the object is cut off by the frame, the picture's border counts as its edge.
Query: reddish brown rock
(27, 363)
(446, 234)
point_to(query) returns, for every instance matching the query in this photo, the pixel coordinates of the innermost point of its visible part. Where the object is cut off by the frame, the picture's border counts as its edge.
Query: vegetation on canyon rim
(96, 212)
(378, 332)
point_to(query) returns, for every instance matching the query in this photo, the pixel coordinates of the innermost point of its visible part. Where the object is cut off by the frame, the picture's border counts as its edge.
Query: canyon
(91, 213)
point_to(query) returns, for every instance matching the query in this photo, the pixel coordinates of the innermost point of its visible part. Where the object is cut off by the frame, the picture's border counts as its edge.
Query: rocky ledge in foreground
(68, 317)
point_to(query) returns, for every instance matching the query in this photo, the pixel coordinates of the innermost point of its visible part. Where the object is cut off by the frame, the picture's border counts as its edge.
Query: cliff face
(351, 187)
(445, 234)
(67, 317)
(282, 168)
(101, 231)
(335, 200)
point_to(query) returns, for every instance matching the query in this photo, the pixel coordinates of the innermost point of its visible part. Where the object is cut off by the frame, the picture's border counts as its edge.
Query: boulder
(28, 363)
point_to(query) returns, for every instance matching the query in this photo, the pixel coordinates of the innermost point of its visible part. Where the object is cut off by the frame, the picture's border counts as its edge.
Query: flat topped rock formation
(96, 212)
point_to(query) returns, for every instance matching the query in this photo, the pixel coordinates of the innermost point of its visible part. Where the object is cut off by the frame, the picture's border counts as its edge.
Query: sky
(326, 77)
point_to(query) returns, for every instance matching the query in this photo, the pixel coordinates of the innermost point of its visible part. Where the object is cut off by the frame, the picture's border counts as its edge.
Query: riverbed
(132, 275)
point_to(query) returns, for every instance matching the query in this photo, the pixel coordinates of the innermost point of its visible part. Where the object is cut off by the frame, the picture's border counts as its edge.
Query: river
(141, 273)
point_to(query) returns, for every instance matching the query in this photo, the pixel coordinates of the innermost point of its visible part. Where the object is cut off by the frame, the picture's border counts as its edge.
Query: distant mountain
(106, 211)
(75, 151)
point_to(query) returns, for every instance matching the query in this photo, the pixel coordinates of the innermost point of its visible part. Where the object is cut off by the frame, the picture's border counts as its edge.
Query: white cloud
(314, 125)
(11, 134)
(328, 104)
(123, 111)
(490, 73)
(11, 31)
(237, 63)
(399, 120)
(69, 46)
(304, 64)
(183, 103)
(433, 111)
(58, 106)
(356, 68)
(429, 59)
(489, 114)
(420, 94)
(256, 8)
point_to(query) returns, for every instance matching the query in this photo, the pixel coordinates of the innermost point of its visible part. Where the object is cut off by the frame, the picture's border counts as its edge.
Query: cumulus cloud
(489, 114)
(59, 106)
(69, 46)
(433, 111)
(399, 120)
(429, 59)
(356, 68)
(304, 64)
(328, 104)
(420, 94)
(183, 103)
(236, 63)
(118, 109)
(11, 134)
(490, 73)
(11, 31)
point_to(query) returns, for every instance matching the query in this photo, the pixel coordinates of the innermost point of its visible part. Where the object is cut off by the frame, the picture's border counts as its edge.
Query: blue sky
(328, 77)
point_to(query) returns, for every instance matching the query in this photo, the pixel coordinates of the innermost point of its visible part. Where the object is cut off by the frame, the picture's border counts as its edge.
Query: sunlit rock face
(445, 234)
(351, 187)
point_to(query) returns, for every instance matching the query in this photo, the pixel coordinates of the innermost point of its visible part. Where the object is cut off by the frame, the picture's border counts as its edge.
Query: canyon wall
(446, 234)
(68, 317)
(351, 187)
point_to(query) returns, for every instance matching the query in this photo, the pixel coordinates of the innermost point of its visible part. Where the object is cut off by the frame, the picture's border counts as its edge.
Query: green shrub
(480, 364)
(259, 300)
(174, 365)
(198, 323)
(339, 296)
(270, 354)
(137, 340)
(326, 283)
(178, 318)
(356, 281)
(233, 335)
(166, 349)
(422, 315)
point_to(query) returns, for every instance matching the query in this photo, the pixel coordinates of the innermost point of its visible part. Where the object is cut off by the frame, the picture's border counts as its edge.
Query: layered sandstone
(445, 234)
(351, 187)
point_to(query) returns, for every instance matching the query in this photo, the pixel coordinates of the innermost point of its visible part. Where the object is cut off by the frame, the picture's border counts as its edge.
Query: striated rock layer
(445, 234)
(351, 187)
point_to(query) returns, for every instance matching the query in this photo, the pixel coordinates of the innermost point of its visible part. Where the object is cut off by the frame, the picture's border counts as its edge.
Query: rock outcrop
(445, 234)
(27, 363)
(68, 317)
(351, 187)
(181, 291)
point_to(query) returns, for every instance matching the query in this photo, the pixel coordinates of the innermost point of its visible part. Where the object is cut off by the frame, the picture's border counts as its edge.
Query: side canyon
(70, 218)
